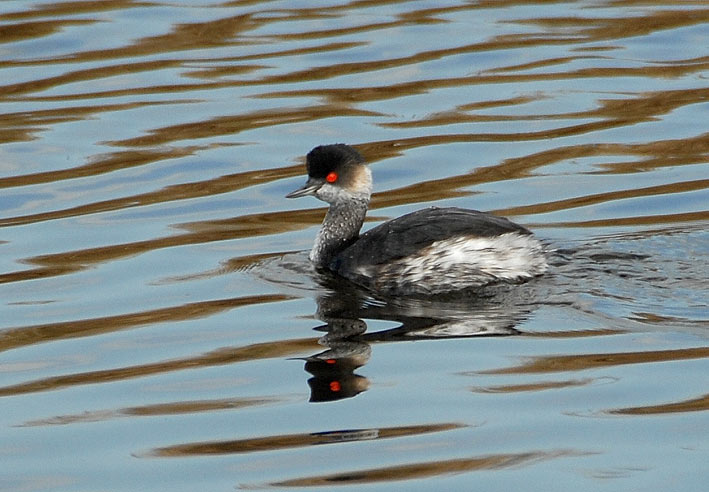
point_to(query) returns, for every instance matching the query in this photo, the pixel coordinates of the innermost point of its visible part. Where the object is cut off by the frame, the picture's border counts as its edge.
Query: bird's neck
(339, 229)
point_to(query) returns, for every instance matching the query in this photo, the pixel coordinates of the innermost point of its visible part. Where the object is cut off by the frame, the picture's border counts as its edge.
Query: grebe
(430, 251)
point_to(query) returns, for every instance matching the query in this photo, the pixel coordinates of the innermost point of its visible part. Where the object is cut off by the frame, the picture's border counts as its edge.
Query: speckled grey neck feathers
(340, 228)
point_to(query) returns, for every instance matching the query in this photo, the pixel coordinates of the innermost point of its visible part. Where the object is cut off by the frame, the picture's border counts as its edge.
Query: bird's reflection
(494, 311)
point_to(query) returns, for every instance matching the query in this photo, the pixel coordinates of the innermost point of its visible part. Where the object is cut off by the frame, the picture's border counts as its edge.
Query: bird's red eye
(331, 177)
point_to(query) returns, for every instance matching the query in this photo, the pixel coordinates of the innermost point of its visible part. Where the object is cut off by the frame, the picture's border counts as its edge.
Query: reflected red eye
(332, 177)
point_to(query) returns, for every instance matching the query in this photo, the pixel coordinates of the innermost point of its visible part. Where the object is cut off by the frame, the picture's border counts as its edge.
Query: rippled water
(161, 328)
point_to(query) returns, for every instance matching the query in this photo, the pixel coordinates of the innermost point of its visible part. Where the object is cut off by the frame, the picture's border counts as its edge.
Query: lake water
(161, 327)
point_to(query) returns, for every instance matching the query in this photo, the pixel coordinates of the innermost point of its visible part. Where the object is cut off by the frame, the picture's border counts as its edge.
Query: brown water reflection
(540, 386)
(114, 162)
(427, 470)
(157, 410)
(578, 362)
(222, 356)
(73, 8)
(272, 443)
(700, 404)
(12, 338)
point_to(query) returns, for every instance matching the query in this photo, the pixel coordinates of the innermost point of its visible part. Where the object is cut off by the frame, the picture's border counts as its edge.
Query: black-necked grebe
(430, 251)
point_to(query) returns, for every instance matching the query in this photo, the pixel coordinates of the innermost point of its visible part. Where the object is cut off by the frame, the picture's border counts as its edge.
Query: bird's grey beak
(309, 188)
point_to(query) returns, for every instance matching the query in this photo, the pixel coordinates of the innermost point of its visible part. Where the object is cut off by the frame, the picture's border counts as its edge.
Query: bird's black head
(336, 172)
(324, 159)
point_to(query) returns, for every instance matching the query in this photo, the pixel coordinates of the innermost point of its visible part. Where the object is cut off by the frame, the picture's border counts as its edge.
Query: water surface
(162, 329)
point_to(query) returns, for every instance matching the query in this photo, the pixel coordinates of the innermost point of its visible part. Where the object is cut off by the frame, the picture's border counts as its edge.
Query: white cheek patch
(361, 182)
(328, 193)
